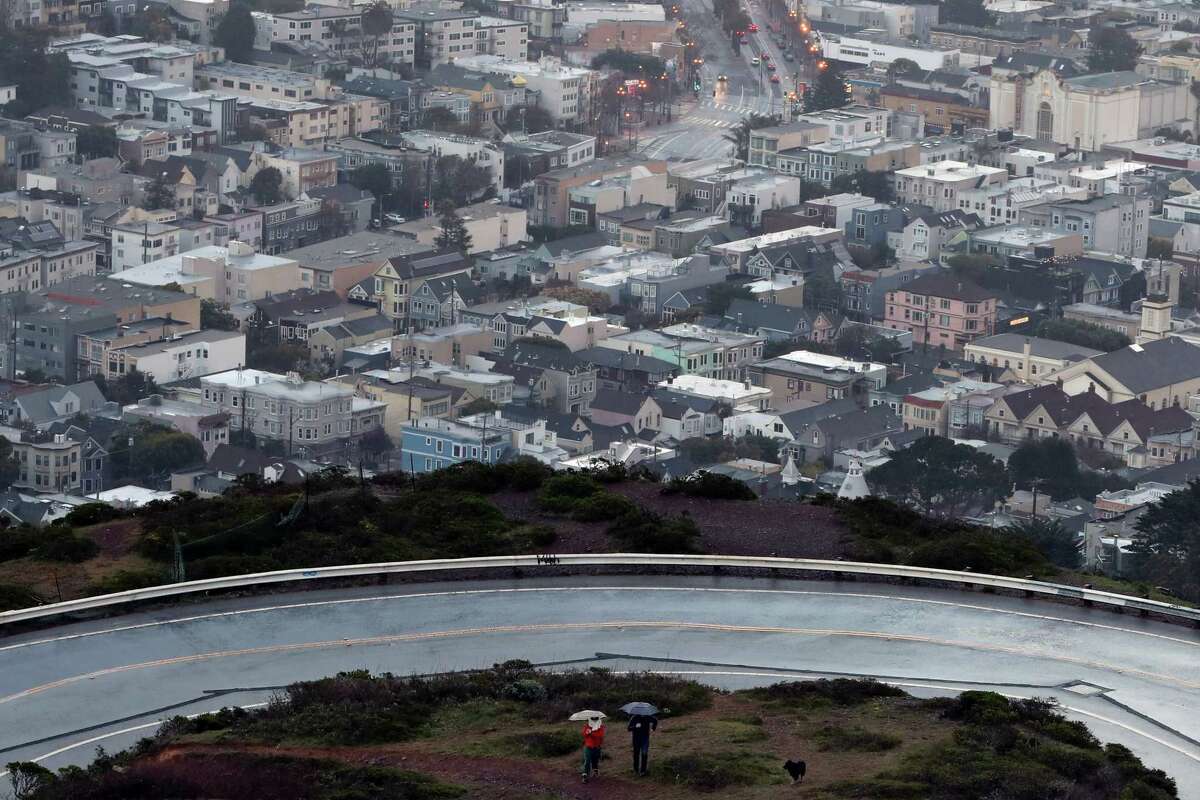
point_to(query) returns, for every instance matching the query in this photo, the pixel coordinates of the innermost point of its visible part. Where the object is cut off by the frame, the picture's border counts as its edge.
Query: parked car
(395, 219)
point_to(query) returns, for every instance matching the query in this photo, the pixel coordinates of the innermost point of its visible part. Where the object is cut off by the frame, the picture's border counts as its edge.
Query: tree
(821, 291)
(1158, 247)
(216, 316)
(903, 67)
(96, 142)
(156, 451)
(967, 12)
(373, 178)
(29, 779)
(530, 119)
(440, 118)
(1084, 334)
(152, 24)
(1058, 544)
(8, 464)
(719, 295)
(629, 63)
(1112, 50)
(158, 195)
(828, 91)
(376, 24)
(480, 405)
(740, 135)
(41, 78)
(936, 475)
(597, 302)
(874, 184)
(459, 181)
(130, 387)
(1048, 464)
(235, 32)
(1167, 543)
(454, 234)
(267, 186)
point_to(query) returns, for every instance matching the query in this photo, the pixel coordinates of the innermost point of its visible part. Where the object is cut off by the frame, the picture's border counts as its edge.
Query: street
(700, 129)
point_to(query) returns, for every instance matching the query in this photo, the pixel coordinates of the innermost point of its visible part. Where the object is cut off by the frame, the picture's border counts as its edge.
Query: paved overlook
(66, 690)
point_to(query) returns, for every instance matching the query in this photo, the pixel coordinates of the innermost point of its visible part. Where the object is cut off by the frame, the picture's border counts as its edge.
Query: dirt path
(489, 778)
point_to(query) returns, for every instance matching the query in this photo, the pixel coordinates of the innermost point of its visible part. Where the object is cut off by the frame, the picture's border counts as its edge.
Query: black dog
(796, 769)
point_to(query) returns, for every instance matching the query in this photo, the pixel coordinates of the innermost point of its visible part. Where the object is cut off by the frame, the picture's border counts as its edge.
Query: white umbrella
(580, 716)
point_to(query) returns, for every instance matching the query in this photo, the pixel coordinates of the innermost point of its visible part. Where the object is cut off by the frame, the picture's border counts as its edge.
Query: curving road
(66, 690)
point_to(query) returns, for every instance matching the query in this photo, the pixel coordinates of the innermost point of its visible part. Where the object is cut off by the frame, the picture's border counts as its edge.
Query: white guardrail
(1111, 600)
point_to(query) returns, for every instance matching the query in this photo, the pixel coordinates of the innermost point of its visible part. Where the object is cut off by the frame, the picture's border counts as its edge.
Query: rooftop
(949, 171)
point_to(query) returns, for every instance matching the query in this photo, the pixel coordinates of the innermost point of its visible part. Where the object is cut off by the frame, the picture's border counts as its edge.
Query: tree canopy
(718, 296)
(376, 25)
(1050, 464)
(1112, 50)
(158, 195)
(827, 91)
(938, 476)
(41, 78)
(215, 316)
(454, 234)
(1059, 544)
(530, 119)
(740, 135)
(902, 67)
(1168, 542)
(96, 142)
(1084, 334)
(235, 32)
(267, 186)
(373, 178)
(966, 12)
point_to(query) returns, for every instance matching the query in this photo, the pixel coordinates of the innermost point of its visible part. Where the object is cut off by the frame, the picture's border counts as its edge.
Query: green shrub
(712, 485)
(526, 690)
(602, 506)
(19, 542)
(643, 531)
(880, 789)
(531, 537)
(66, 547)
(92, 514)
(126, 580)
(712, 772)
(12, 597)
(561, 493)
(984, 552)
(838, 691)
(855, 739)
(545, 744)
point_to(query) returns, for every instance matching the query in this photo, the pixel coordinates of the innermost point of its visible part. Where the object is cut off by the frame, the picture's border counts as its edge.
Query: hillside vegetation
(502, 733)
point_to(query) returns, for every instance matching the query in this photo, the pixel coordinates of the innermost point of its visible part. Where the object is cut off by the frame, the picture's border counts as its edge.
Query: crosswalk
(711, 123)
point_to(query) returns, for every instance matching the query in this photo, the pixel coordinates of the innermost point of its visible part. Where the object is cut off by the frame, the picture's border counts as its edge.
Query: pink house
(941, 310)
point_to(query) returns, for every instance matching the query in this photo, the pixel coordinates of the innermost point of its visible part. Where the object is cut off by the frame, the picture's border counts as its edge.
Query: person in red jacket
(593, 740)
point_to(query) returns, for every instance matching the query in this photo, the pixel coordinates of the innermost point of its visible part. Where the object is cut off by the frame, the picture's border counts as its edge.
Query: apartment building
(765, 143)
(142, 242)
(398, 279)
(49, 320)
(1114, 223)
(302, 170)
(432, 443)
(504, 38)
(1027, 359)
(441, 35)
(803, 379)
(34, 256)
(340, 30)
(825, 161)
(748, 198)
(552, 190)
(942, 311)
(181, 356)
(938, 185)
(233, 274)
(565, 91)
(482, 152)
(92, 348)
(308, 418)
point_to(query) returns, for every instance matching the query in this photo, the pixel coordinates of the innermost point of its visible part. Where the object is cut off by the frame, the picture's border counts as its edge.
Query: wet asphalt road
(66, 690)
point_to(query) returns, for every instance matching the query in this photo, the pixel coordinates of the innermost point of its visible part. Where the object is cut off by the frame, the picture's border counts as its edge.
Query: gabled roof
(462, 284)
(618, 402)
(859, 423)
(49, 404)
(612, 358)
(1152, 365)
(949, 287)
(420, 265)
(575, 244)
(745, 313)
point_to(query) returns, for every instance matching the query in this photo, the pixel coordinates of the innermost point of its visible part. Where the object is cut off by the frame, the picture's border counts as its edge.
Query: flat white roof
(241, 377)
(715, 388)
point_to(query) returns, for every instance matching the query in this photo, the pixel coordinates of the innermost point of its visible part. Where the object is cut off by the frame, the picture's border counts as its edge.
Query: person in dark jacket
(641, 726)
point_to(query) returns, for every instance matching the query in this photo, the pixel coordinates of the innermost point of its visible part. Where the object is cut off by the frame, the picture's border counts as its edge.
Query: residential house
(1161, 373)
(53, 404)
(431, 443)
(211, 430)
(860, 429)
(940, 310)
(398, 277)
(927, 232)
(614, 407)
(297, 315)
(626, 372)
(801, 379)
(1025, 359)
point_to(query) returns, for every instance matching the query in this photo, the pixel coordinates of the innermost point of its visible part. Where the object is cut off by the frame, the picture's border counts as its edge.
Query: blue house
(431, 443)
(870, 225)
